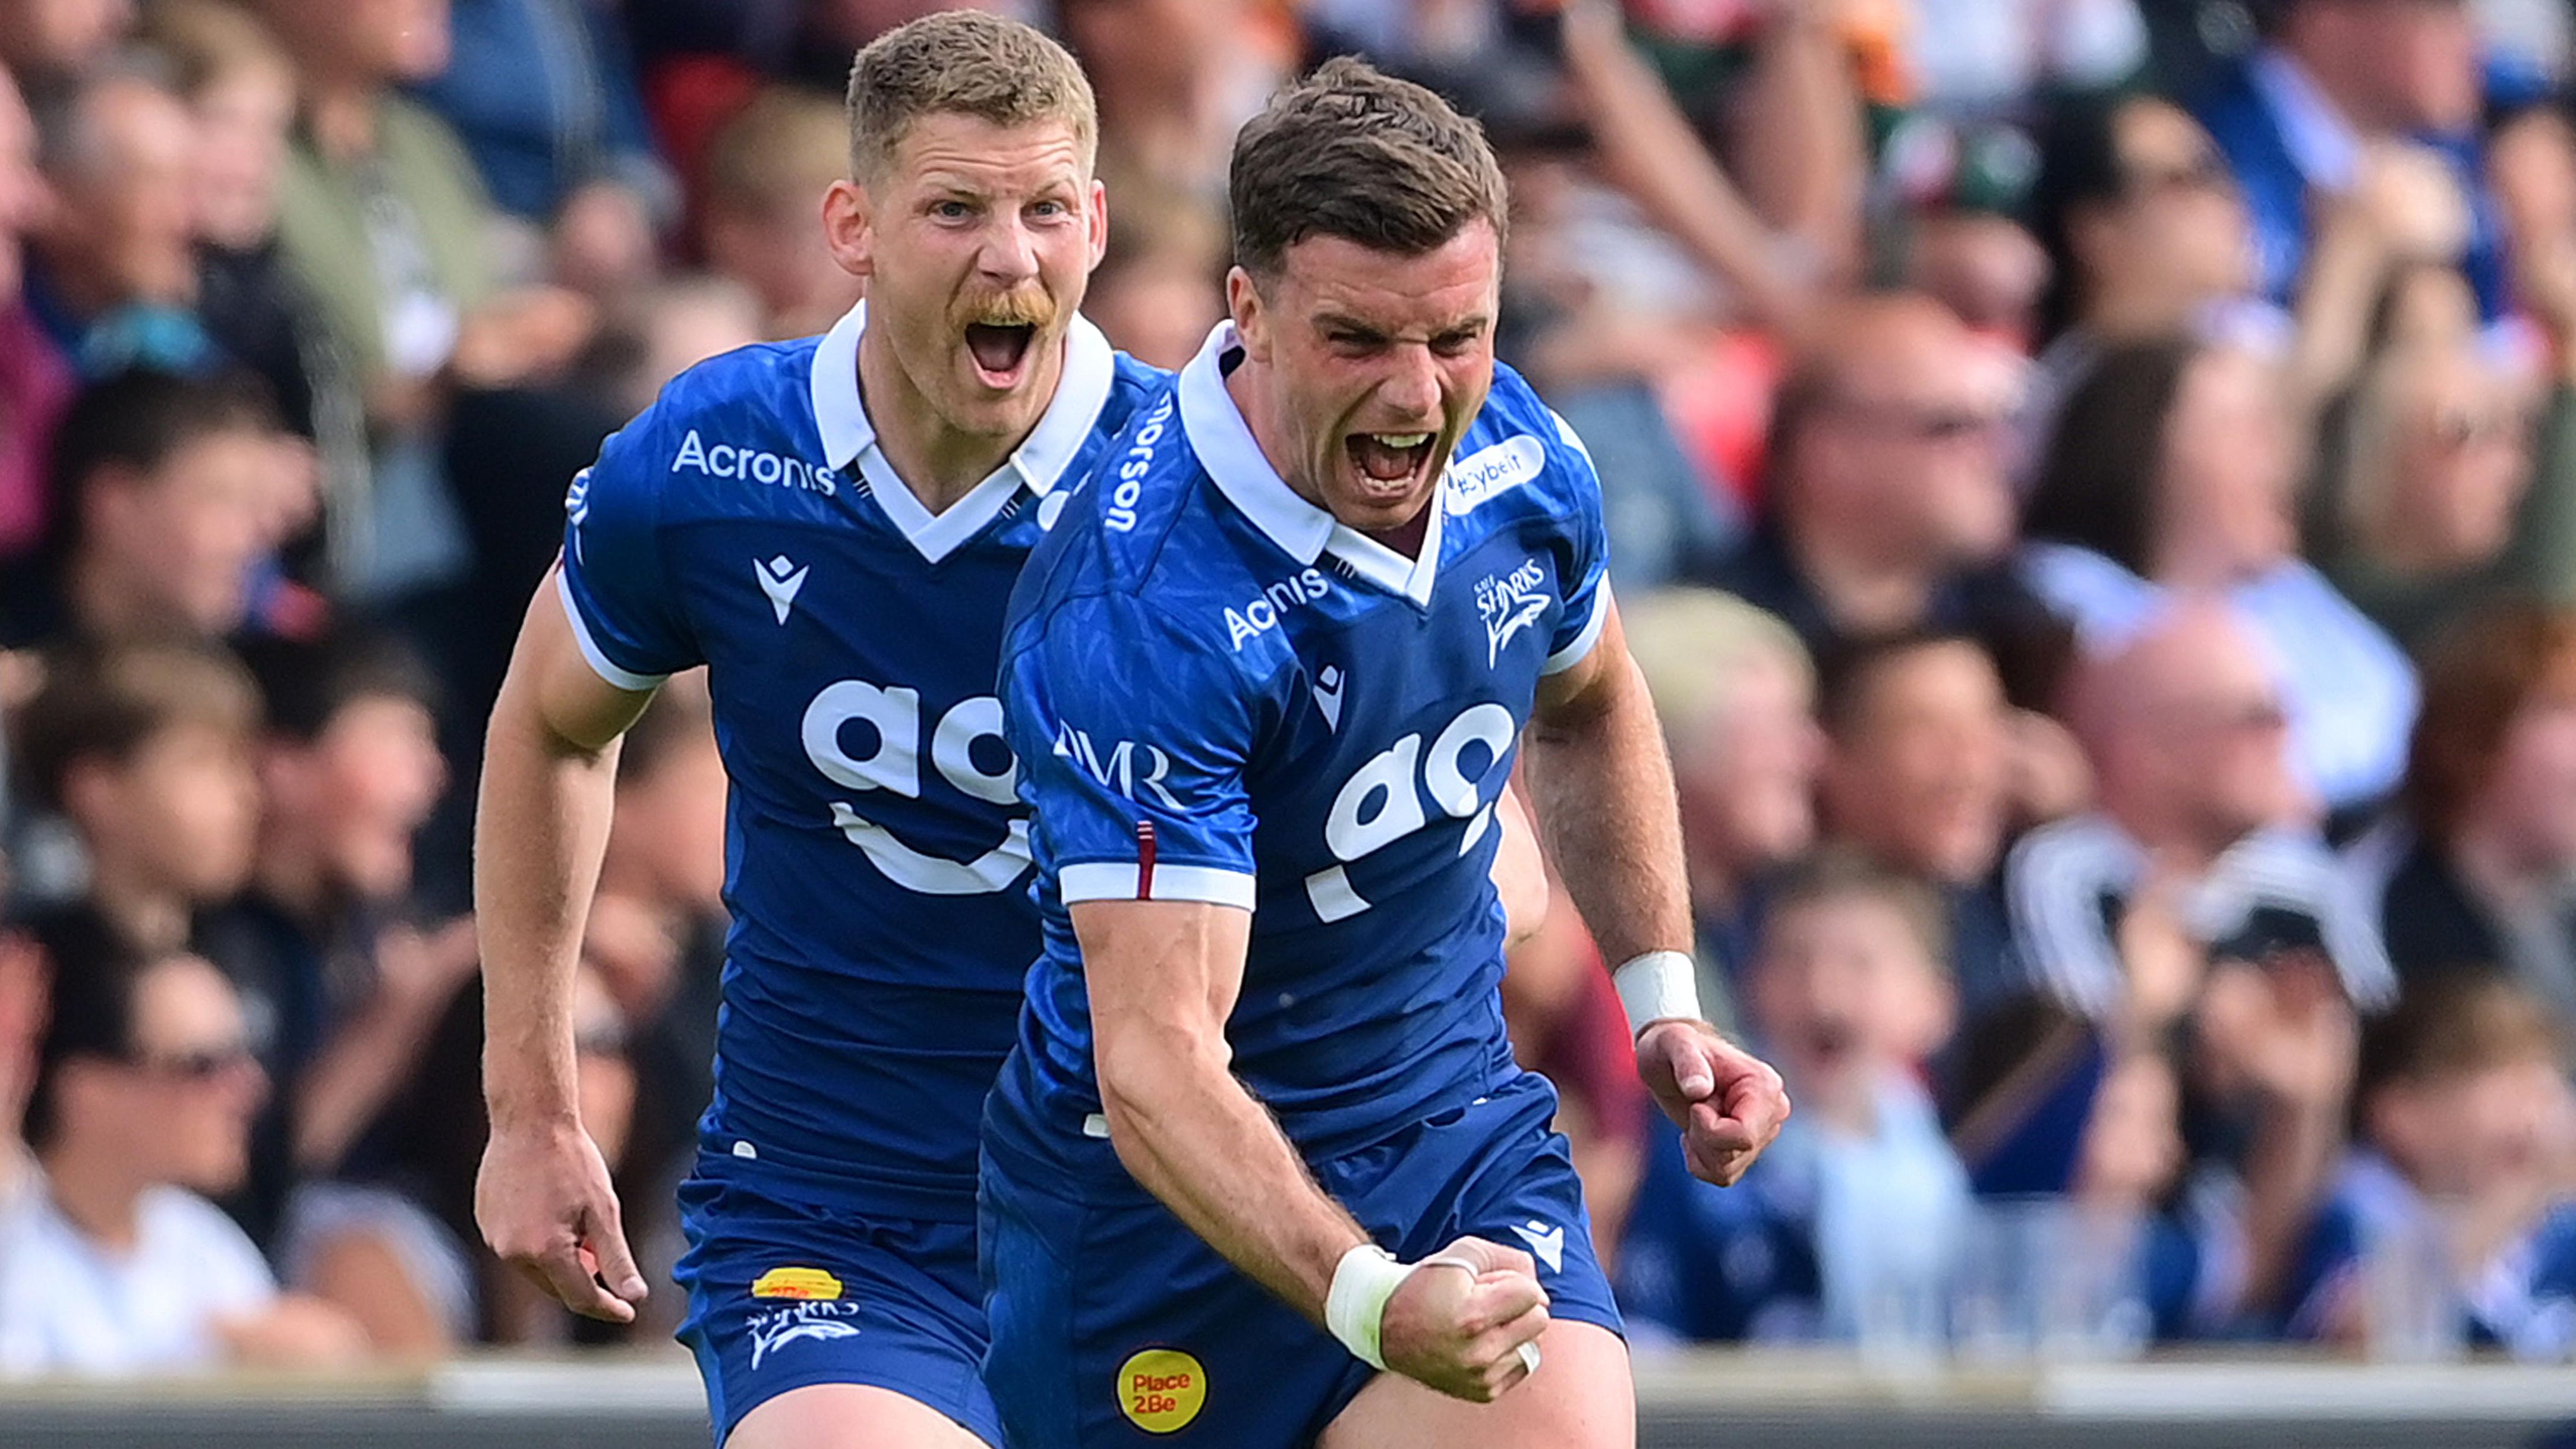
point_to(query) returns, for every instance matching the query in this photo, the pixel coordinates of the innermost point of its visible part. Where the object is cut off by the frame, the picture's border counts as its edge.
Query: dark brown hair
(109, 701)
(2478, 674)
(1355, 153)
(1843, 872)
(967, 63)
(2450, 1026)
(2098, 479)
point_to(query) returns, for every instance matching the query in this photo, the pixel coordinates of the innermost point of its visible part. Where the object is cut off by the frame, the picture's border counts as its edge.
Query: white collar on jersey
(1226, 449)
(841, 418)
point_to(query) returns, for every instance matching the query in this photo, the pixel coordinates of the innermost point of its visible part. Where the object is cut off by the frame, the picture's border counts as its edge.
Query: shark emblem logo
(780, 579)
(1547, 1242)
(1328, 694)
(1510, 603)
(774, 1329)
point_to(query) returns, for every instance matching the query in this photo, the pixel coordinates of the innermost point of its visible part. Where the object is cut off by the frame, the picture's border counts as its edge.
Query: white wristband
(1355, 1306)
(1658, 986)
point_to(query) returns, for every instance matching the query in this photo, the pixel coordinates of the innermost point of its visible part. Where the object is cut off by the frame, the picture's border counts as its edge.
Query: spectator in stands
(2263, 953)
(144, 749)
(2427, 503)
(1917, 775)
(2172, 470)
(2187, 734)
(2340, 91)
(35, 383)
(1736, 695)
(766, 170)
(48, 43)
(542, 93)
(116, 1264)
(1174, 80)
(348, 768)
(1160, 286)
(2460, 1182)
(2477, 872)
(168, 491)
(385, 222)
(240, 88)
(114, 274)
(1860, 1204)
(2146, 237)
(1887, 504)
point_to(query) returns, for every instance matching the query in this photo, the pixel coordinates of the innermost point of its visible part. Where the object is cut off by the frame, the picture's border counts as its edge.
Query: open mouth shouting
(1387, 468)
(1001, 351)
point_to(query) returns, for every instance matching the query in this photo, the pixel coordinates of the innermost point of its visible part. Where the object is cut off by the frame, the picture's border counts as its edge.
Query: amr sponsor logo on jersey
(1510, 603)
(724, 460)
(1127, 768)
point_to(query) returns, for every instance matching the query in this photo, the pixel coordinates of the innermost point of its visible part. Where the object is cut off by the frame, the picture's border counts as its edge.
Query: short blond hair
(1691, 643)
(969, 63)
(208, 42)
(780, 151)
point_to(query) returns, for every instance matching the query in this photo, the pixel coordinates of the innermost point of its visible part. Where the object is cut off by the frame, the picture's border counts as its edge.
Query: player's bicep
(1592, 682)
(554, 690)
(1162, 976)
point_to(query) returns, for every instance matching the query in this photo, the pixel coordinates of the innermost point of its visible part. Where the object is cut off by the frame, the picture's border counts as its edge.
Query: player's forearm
(540, 828)
(1603, 786)
(1193, 1136)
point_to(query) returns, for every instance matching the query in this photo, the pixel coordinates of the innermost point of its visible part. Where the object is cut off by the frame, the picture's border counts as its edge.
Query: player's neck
(939, 463)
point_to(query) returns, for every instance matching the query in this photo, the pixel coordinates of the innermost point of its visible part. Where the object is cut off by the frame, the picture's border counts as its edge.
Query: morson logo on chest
(724, 460)
(1510, 603)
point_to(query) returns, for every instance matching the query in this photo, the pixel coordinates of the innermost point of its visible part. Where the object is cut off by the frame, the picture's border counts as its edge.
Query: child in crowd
(1861, 1202)
(144, 751)
(2460, 1175)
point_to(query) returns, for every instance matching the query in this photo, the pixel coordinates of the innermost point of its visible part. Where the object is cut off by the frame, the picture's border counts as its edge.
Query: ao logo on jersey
(894, 766)
(1380, 804)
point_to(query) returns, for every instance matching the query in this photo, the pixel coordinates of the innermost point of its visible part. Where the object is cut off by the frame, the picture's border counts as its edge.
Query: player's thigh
(1581, 1398)
(848, 1416)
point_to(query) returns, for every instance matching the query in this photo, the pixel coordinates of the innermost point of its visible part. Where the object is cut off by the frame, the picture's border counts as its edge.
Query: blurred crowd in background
(2092, 487)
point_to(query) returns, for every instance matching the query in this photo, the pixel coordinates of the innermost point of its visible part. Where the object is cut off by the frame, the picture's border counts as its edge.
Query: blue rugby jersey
(876, 863)
(1218, 693)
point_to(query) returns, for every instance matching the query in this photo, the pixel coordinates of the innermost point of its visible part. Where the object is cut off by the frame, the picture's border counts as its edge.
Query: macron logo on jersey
(1489, 471)
(780, 578)
(724, 460)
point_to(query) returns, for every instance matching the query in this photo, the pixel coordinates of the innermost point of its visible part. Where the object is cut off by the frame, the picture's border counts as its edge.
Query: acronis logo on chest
(724, 460)
(1251, 621)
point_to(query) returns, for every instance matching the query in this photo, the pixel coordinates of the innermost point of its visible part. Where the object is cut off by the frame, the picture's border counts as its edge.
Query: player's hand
(1462, 1332)
(1728, 1102)
(545, 1205)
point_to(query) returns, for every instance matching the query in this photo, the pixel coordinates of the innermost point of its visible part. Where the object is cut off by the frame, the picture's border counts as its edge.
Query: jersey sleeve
(1587, 589)
(1133, 739)
(615, 585)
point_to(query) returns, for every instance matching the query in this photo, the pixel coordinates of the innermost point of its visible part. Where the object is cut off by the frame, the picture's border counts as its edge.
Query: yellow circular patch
(1161, 1390)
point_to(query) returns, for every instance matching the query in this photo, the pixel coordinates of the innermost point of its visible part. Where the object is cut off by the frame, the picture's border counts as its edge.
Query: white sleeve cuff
(601, 664)
(1127, 881)
(1580, 648)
